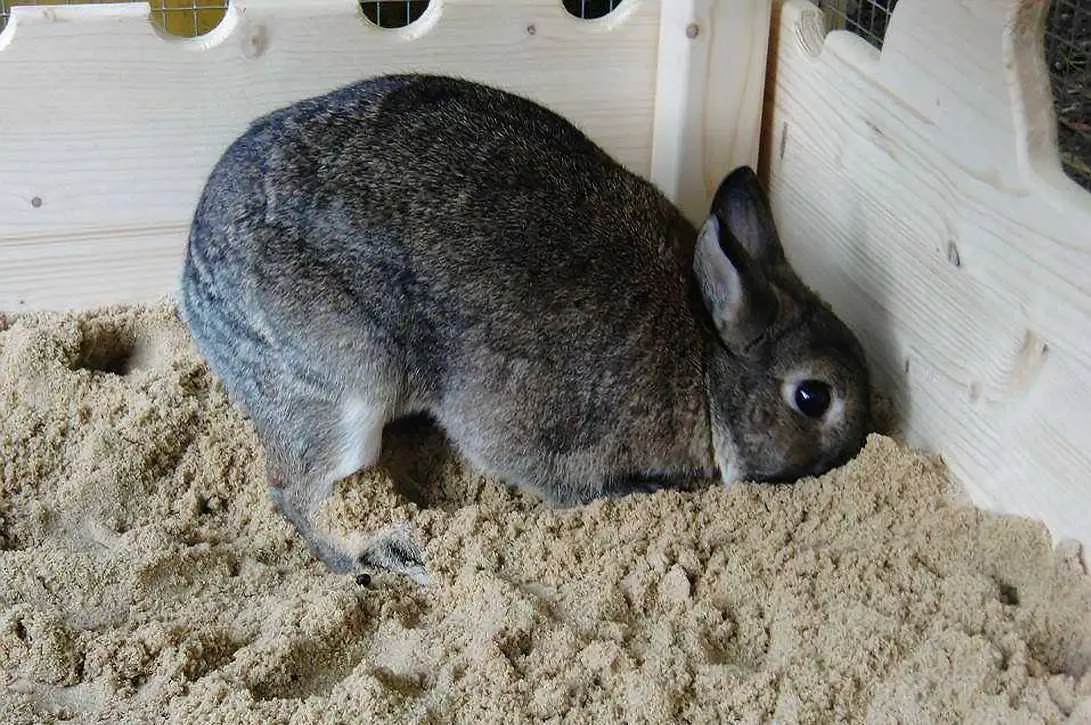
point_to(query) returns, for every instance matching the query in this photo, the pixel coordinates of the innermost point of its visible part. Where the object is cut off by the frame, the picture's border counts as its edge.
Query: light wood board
(108, 127)
(920, 191)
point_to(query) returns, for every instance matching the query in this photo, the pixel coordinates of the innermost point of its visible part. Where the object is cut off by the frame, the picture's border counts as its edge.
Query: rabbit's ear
(735, 291)
(742, 205)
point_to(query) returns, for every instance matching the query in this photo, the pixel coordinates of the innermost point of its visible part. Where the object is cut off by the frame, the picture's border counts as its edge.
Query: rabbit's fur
(417, 243)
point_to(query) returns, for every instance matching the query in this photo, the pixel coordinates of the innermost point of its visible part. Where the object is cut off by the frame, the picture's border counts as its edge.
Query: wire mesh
(393, 13)
(866, 18)
(590, 9)
(1068, 55)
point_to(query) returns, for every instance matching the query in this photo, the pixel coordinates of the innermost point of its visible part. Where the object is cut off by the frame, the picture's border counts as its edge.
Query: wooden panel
(920, 190)
(712, 58)
(177, 17)
(108, 127)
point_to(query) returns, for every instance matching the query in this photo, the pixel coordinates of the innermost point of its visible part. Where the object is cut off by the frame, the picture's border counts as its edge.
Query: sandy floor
(143, 573)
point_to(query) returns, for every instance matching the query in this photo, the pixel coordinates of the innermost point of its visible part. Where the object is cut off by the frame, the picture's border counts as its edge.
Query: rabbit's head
(788, 384)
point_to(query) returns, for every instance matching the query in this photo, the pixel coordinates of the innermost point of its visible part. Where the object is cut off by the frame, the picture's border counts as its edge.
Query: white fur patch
(361, 437)
(727, 459)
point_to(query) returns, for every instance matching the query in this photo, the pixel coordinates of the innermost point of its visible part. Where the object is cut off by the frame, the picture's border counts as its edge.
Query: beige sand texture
(145, 577)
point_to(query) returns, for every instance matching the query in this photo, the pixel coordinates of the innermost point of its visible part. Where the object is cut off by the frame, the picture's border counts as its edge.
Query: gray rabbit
(425, 244)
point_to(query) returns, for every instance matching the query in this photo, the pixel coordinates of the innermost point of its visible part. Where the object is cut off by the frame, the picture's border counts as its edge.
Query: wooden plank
(113, 266)
(920, 190)
(709, 92)
(114, 125)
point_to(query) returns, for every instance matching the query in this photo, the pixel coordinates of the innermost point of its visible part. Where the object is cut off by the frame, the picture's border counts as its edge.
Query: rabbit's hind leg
(316, 445)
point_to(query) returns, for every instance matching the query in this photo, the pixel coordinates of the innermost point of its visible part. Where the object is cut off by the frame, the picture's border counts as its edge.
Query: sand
(146, 577)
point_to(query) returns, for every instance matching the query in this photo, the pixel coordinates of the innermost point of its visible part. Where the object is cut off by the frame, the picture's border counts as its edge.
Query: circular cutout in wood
(591, 9)
(393, 13)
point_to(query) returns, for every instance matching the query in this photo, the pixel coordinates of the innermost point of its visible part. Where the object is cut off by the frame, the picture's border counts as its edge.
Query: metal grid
(187, 18)
(1068, 55)
(866, 18)
(590, 9)
(393, 13)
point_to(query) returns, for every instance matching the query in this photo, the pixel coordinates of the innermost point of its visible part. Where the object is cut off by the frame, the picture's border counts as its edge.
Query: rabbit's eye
(812, 398)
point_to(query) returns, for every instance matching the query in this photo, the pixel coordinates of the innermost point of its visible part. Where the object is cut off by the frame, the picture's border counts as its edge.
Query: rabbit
(417, 244)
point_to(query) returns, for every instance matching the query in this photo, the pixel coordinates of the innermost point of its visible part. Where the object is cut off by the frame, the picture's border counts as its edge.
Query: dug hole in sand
(146, 577)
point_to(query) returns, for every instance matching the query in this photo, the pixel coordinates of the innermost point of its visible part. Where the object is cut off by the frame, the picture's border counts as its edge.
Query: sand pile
(144, 576)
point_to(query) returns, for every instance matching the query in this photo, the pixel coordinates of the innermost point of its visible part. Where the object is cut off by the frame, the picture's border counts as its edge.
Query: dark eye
(812, 398)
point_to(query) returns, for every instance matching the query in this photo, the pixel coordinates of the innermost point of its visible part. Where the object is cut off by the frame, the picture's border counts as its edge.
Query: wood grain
(116, 124)
(709, 91)
(920, 190)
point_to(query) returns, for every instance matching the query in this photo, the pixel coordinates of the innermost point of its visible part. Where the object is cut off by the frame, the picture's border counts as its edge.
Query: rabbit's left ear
(735, 290)
(741, 204)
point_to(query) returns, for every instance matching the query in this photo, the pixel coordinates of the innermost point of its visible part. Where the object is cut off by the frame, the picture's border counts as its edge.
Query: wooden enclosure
(918, 189)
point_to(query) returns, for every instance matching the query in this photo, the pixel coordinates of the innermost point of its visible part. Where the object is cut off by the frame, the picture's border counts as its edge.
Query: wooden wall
(108, 127)
(920, 190)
